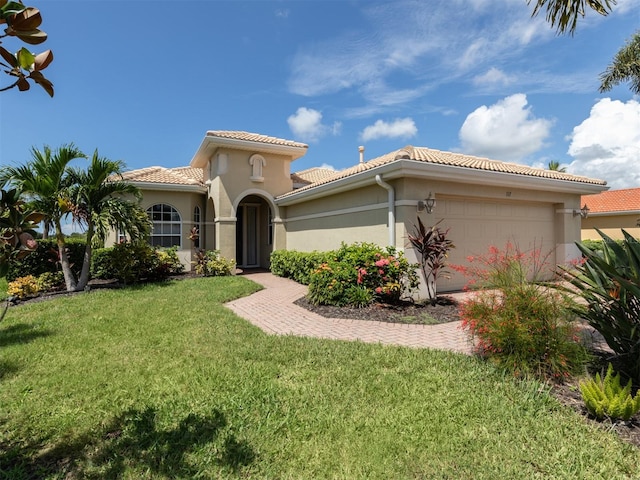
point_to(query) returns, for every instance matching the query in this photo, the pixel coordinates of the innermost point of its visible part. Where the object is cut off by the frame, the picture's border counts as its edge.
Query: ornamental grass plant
(518, 322)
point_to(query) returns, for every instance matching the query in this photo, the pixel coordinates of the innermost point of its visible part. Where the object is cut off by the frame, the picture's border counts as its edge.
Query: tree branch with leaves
(564, 14)
(22, 22)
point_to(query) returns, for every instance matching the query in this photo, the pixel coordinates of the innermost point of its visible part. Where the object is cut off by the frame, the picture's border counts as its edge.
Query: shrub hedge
(297, 265)
(135, 262)
(45, 259)
(353, 275)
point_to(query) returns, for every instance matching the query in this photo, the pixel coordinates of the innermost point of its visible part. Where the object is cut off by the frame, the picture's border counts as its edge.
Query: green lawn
(162, 381)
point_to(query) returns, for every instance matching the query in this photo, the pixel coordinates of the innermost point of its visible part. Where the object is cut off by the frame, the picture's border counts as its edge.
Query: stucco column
(567, 228)
(279, 234)
(226, 237)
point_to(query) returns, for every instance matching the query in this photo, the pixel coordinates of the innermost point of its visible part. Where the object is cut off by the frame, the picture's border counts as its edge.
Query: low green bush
(360, 273)
(606, 397)
(211, 264)
(296, 265)
(134, 262)
(49, 281)
(595, 245)
(518, 324)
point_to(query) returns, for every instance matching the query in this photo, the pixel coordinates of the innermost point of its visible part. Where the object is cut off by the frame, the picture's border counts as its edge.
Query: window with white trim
(167, 226)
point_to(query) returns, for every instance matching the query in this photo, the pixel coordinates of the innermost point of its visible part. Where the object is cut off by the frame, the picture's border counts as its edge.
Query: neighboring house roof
(618, 201)
(184, 176)
(437, 157)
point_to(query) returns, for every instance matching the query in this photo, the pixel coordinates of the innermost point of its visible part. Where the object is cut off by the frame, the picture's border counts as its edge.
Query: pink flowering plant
(516, 320)
(359, 274)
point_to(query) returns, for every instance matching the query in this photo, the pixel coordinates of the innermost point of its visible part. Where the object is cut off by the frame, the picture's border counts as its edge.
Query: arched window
(167, 226)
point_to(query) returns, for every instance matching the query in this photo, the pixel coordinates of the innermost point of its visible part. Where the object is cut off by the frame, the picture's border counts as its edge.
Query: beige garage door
(478, 224)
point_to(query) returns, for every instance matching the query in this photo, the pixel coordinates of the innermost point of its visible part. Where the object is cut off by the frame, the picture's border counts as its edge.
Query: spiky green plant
(606, 397)
(609, 283)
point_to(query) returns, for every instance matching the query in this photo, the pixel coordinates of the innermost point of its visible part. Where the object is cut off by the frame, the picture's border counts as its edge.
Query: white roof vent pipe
(361, 150)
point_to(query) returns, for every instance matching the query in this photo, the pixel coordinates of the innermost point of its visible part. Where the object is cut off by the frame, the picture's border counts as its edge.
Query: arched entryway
(254, 232)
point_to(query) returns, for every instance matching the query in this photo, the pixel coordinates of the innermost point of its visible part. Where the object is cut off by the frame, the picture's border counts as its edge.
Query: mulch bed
(444, 311)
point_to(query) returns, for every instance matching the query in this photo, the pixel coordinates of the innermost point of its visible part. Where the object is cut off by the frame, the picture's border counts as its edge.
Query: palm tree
(45, 180)
(553, 165)
(564, 14)
(98, 199)
(624, 68)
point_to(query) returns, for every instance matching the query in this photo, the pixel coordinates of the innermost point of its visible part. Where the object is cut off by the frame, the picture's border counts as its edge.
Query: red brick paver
(272, 309)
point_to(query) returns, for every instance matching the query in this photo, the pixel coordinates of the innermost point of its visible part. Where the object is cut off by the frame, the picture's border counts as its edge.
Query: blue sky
(142, 81)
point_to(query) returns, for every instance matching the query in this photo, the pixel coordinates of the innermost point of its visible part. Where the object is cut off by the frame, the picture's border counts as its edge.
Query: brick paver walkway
(272, 309)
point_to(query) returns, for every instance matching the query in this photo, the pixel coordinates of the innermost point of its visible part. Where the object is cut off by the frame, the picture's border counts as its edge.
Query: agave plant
(433, 246)
(609, 282)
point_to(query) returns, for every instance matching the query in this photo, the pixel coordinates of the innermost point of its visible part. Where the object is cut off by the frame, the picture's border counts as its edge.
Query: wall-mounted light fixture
(427, 204)
(583, 212)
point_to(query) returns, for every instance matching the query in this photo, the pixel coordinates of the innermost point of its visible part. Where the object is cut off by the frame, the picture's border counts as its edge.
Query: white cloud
(328, 167)
(606, 145)
(493, 76)
(399, 128)
(625, 6)
(406, 48)
(306, 124)
(507, 130)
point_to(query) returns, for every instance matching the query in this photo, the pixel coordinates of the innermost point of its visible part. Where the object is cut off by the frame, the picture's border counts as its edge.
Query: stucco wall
(611, 225)
(358, 215)
(233, 174)
(479, 216)
(184, 203)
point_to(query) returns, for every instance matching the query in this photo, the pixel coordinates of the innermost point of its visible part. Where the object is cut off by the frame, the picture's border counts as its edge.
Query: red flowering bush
(358, 274)
(517, 322)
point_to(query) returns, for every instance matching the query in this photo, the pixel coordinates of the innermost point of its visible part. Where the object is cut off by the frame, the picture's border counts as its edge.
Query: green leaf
(25, 58)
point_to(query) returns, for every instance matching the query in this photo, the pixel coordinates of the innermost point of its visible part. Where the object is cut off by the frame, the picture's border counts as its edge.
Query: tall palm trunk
(69, 278)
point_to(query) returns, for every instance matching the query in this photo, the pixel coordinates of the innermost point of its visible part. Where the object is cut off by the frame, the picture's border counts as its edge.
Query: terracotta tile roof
(173, 176)
(625, 200)
(312, 175)
(429, 155)
(254, 137)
